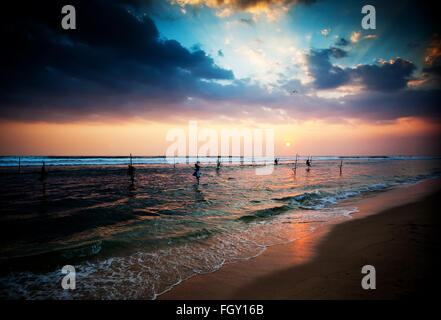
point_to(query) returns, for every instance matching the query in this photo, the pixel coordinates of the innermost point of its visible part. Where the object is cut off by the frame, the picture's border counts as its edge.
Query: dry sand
(395, 231)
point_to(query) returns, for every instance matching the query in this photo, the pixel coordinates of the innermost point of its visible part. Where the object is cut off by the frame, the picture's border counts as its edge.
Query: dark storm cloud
(367, 105)
(434, 70)
(386, 76)
(326, 75)
(117, 64)
(112, 58)
(382, 76)
(392, 105)
(336, 52)
(432, 67)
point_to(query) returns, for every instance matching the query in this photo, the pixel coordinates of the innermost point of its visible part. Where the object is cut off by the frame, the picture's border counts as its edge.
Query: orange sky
(407, 136)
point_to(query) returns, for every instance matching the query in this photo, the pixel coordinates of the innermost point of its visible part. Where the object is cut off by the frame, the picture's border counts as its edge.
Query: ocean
(136, 243)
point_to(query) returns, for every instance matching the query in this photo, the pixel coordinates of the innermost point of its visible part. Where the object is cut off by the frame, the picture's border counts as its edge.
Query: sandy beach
(395, 231)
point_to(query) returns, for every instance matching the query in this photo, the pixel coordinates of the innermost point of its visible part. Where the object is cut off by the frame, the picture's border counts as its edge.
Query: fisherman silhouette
(218, 164)
(43, 174)
(131, 172)
(197, 172)
(308, 164)
(43, 177)
(276, 161)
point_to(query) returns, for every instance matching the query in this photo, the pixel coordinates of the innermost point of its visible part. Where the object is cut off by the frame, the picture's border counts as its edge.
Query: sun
(288, 144)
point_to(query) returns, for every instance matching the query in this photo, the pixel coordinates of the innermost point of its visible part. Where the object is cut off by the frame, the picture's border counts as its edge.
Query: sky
(133, 70)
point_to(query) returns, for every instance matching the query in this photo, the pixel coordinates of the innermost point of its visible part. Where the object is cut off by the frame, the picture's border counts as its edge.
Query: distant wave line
(12, 161)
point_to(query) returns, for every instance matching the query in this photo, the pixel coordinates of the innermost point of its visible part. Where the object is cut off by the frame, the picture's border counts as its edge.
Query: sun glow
(404, 136)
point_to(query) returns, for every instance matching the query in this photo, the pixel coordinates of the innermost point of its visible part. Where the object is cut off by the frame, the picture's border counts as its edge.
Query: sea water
(136, 243)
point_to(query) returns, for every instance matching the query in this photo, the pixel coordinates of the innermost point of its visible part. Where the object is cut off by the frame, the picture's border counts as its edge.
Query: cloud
(270, 8)
(355, 36)
(382, 76)
(336, 52)
(394, 105)
(370, 36)
(342, 42)
(114, 58)
(249, 21)
(433, 51)
(224, 13)
(325, 32)
(431, 72)
(325, 74)
(256, 42)
(241, 4)
(117, 65)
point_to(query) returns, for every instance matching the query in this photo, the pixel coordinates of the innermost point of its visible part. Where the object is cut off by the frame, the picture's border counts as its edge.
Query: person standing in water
(131, 172)
(308, 164)
(218, 164)
(43, 177)
(197, 171)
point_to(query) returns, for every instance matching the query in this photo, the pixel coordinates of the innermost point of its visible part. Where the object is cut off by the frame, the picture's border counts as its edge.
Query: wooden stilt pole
(295, 165)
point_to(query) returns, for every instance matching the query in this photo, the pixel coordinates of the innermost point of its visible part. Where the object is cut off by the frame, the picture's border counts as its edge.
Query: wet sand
(395, 231)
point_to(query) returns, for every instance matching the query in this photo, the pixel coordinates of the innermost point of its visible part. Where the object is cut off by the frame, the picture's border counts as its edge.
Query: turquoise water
(138, 242)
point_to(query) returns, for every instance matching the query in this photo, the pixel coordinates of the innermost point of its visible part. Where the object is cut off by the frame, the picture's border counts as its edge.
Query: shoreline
(394, 231)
